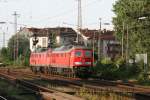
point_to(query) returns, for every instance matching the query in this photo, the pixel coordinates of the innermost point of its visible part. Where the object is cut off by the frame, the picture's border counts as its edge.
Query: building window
(43, 42)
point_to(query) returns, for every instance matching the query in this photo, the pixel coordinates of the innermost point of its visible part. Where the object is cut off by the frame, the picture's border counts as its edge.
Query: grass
(103, 95)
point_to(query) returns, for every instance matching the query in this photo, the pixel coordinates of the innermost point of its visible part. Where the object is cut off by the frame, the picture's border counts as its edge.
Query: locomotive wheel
(41, 69)
(34, 70)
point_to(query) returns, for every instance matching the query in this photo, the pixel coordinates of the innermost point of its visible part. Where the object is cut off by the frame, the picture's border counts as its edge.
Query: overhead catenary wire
(64, 13)
(59, 15)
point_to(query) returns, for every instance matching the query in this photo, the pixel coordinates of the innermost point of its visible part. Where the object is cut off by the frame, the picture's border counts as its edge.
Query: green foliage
(119, 61)
(27, 57)
(52, 40)
(4, 53)
(144, 82)
(128, 13)
(106, 61)
(5, 56)
(105, 69)
(117, 70)
(23, 45)
(23, 50)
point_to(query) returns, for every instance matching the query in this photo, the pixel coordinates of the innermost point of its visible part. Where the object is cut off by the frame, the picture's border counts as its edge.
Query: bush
(26, 58)
(105, 69)
(118, 69)
(5, 59)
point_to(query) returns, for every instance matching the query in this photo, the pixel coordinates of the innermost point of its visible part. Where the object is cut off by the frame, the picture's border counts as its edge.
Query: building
(109, 46)
(63, 35)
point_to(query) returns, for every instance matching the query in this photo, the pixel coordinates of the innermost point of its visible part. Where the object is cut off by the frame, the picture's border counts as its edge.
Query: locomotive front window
(87, 54)
(78, 53)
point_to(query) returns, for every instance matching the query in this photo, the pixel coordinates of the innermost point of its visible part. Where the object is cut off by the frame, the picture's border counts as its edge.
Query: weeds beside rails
(104, 95)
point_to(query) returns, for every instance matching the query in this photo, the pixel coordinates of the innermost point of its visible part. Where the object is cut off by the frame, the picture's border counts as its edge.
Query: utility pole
(99, 40)
(93, 47)
(122, 43)
(127, 45)
(15, 30)
(79, 26)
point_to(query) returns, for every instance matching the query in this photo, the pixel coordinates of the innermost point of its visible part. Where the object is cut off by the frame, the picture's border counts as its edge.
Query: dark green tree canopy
(23, 45)
(52, 40)
(134, 14)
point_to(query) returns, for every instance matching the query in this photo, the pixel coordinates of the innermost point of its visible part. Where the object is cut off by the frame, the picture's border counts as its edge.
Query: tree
(4, 55)
(52, 40)
(22, 49)
(128, 13)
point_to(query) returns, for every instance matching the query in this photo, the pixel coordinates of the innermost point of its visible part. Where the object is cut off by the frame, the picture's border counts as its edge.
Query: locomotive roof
(70, 47)
(62, 49)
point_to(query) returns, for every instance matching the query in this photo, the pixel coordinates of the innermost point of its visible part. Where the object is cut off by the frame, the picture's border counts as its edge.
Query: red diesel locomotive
(66, 60)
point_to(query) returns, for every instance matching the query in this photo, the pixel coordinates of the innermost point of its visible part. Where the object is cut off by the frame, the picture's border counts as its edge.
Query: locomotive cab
(83, 62)
(83, 58)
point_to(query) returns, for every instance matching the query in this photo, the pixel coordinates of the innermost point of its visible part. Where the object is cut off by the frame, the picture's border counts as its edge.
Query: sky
(53, 13)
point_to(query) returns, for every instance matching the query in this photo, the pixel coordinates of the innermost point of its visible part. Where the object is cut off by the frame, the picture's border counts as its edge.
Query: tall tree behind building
(52, 40)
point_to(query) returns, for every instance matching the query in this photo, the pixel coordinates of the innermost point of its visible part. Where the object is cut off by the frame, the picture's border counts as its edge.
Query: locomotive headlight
(78, 63)
(87, 63)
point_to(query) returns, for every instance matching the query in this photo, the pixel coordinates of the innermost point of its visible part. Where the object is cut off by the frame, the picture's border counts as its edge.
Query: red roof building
(109, 46)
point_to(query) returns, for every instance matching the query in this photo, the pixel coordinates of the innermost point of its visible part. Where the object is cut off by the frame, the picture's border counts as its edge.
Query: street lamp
(141, 18)
(99, 37)
(145, 55)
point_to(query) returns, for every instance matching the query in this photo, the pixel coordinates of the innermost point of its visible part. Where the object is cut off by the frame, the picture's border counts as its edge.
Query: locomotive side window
(87, 54)
(78, 53)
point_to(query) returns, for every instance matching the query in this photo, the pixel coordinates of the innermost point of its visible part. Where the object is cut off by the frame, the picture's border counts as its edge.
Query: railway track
(2, 98)
(36, 88)
(76, 84)
(101, 85)
(126, 87)
(96, 86)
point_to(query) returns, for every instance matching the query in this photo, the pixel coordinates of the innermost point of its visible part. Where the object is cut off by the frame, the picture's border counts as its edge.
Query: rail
(95, 85)
(1, 97)
(45, 92)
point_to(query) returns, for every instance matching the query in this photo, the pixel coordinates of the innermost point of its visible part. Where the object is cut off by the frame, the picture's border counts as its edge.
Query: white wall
(40, 43)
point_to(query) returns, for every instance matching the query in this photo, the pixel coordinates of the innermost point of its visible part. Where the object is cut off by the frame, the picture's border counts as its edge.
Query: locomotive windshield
(87, 54)
(78, 53)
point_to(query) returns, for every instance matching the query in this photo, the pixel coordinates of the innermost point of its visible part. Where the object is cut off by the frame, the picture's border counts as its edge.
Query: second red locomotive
(66, 60)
